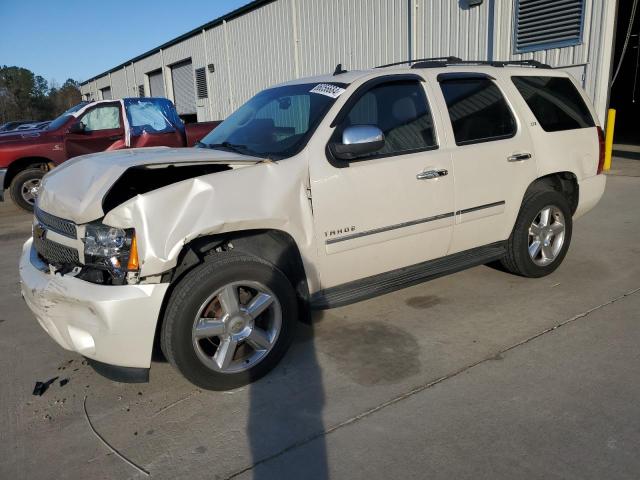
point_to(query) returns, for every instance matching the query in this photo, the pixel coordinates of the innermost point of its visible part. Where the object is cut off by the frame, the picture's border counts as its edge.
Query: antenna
(339, 70)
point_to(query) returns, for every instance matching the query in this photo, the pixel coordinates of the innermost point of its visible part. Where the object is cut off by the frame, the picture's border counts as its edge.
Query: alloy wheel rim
(30, 190)
(546, 235)
(237, 326)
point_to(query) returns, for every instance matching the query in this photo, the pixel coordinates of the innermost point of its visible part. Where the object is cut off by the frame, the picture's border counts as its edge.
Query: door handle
(115, 137)
(431, 174)
(519, 157)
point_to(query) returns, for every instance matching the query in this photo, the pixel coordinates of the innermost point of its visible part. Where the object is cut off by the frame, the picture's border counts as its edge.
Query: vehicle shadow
(286, 407)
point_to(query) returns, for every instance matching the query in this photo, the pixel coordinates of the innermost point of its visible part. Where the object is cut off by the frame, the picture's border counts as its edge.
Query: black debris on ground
(64, 381)
(42, 387)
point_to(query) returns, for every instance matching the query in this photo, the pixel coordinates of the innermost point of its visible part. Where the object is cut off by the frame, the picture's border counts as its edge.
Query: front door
(102, 130)
(387, 210)
(493, 159)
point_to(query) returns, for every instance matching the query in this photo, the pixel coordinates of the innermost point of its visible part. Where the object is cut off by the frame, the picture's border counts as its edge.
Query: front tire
(229, 321)
(541, 235)
(25, 186)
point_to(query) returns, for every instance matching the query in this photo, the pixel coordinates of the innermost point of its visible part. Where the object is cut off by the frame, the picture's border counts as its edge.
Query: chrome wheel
(546, 235)
(30, 190)
(237, 327)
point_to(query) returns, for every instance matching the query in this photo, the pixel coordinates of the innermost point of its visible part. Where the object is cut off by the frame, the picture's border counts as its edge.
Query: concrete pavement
(462, 377)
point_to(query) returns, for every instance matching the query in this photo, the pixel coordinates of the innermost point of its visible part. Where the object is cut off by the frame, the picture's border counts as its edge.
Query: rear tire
(541, 236)
(234, 303)
(24, 188)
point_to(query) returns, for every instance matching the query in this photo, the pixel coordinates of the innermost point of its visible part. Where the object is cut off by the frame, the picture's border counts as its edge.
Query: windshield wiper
(241, 149)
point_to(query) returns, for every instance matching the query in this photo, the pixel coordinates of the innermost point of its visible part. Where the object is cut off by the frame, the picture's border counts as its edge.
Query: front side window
(401, 111)
(101, 118)
(555, 102)
(277, 122)
(62, 119)
(478, 110)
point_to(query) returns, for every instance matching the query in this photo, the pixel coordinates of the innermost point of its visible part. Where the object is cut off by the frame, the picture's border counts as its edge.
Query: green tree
(26, 96)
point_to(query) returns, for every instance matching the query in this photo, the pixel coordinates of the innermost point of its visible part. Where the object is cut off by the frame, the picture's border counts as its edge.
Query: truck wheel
(24, 188)
(541, 235)
(229, 321)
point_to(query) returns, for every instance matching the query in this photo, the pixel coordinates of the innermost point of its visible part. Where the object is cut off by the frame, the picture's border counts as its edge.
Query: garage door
(183, 88)
(156, 85)
(106, 93)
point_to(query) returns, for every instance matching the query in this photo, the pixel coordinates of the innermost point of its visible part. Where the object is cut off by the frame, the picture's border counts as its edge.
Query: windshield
(58, 122)
(277, 122)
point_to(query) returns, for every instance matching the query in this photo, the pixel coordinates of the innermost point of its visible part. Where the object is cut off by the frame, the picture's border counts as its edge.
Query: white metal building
(210, 71)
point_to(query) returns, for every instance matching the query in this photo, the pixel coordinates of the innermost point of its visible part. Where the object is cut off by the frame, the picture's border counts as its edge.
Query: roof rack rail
(452, 61)
(434, 59)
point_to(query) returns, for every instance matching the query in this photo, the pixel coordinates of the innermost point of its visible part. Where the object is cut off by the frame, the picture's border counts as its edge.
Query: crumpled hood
(75, 189)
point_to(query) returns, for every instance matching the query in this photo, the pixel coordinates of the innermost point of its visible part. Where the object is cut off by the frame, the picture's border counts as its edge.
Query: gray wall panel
(290, 38)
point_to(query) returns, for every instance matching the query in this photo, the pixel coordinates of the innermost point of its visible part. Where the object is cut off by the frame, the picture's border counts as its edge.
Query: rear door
(103, 130)
(382, 212)
(493, 158)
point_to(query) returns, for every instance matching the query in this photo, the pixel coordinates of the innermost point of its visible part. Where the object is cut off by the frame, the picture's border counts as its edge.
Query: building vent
(141, 90)
(543, 24)
(201, 82)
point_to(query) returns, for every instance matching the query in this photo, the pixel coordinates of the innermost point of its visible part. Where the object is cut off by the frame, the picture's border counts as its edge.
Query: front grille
(54, 253)
(56, 224)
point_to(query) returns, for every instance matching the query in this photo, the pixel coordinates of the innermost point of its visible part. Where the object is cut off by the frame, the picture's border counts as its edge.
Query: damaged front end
(100, 253)
(94, 252)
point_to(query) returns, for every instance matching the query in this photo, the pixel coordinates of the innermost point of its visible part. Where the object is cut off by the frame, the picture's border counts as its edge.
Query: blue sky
(60, 39)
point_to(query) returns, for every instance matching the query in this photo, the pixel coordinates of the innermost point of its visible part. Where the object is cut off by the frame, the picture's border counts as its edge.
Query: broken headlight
(111, 249)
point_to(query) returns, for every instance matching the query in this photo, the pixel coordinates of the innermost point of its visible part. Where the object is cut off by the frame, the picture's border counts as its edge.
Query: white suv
(315, 193)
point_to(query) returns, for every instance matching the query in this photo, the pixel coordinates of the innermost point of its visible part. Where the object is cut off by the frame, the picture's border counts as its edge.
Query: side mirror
(358, 141)
(77, 127)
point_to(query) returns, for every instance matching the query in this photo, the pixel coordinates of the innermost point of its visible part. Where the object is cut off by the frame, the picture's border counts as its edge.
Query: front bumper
(3, 174)
(114, 325)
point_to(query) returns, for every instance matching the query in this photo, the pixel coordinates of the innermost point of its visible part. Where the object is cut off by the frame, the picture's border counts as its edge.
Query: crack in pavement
(424, 387)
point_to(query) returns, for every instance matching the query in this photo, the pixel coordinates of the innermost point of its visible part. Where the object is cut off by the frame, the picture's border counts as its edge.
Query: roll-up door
(184, 94)
(106, 93)
(156, 85)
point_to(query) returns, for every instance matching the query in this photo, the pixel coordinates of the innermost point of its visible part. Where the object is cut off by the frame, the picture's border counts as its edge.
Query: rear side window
(555, 102)
(478, 110)
(401, 111)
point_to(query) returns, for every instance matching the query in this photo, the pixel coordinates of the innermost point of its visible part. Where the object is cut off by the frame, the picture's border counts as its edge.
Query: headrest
(404, 110)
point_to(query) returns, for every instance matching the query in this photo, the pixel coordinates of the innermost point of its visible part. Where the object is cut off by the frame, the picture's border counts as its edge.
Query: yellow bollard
(608, 144)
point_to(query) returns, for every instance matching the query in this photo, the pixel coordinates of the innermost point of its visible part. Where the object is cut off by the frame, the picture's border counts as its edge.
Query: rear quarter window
(555, 102)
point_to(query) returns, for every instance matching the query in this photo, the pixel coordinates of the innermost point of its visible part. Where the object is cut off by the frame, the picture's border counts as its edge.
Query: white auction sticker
(328, 90)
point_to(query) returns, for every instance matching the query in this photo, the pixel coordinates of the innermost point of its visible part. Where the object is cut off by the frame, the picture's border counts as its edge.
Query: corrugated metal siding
(357, 33)
(289, 38)
(444, 29)
(118, 84)
(145, 66)
(189, 48)
(219, 86)
(103, 82)
(261, 49)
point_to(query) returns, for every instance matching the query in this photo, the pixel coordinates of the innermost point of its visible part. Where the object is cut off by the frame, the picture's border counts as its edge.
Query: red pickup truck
(90, 127)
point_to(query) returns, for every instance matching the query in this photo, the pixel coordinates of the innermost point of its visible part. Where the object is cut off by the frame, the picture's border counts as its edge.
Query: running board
(387, 282)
